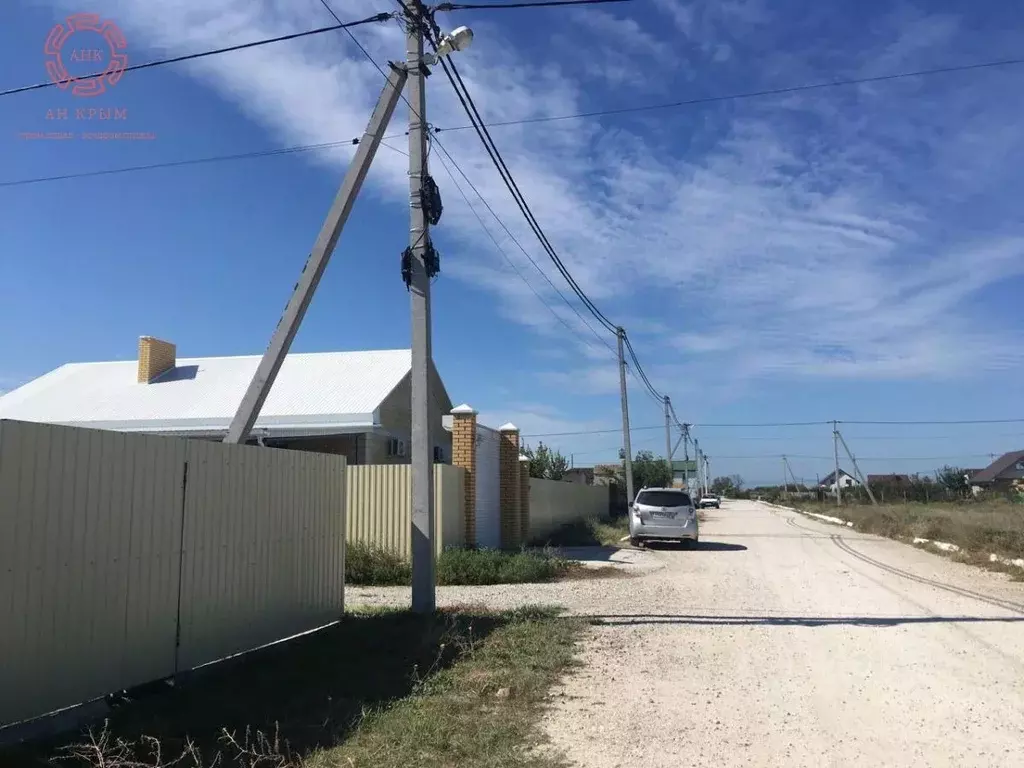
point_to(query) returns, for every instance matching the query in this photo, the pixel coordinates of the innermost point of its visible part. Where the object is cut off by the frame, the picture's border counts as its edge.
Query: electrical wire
(498, 124)
(380, 17)
(535, 4)
(191, 161)
(501, 250)
(469, 106)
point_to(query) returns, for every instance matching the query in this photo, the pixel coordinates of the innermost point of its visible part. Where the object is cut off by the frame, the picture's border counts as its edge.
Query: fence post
(524, 499)
(464, 455)
(509, 485)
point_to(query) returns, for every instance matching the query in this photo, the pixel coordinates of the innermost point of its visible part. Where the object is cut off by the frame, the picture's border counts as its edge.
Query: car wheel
(638, 543)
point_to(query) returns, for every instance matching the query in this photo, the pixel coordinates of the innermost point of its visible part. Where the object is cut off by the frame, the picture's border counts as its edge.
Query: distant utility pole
(621, 334)
(696, 461)
(785, 480)
(668, 438)
(835, 450)
(707, 475)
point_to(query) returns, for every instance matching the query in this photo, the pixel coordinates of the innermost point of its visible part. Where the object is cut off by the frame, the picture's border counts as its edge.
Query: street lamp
(459, 39)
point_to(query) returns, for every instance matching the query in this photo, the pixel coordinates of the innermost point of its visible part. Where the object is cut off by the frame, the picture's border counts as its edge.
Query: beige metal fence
(380, 506)
(554, 504)
(127, 558)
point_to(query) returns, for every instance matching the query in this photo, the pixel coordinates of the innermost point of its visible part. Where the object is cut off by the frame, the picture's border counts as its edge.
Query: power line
(536, 4)
(193, 161)
(506, 256)
(380, 17)
(918, 423)
(498, 124)
(592, 431)
(468, 105)
(775, 456)
(753, 94)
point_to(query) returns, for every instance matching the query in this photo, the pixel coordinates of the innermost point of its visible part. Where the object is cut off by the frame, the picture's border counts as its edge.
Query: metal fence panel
(379, 506)
(554, 504)
(488, 487)
(264, 547)
(89, 549)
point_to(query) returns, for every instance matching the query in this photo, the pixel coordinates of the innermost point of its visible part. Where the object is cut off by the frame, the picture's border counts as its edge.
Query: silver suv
(665, 514)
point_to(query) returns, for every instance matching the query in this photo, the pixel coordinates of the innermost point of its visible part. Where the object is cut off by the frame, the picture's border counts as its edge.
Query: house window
(438, 454)
(396, 447)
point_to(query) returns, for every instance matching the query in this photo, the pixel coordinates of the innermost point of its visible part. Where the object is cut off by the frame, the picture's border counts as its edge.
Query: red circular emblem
(92, 85)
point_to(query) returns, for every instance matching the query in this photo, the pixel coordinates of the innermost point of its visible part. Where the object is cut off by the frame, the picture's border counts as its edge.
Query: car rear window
(663, 499)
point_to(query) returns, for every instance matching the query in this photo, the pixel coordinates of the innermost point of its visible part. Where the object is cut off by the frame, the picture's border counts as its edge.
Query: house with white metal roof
(353, 403)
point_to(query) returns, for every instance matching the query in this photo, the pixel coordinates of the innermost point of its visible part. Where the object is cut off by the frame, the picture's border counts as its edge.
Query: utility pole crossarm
(281, 340)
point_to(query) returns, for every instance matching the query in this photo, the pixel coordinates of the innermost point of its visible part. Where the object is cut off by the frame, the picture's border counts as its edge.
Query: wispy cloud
(845, 233)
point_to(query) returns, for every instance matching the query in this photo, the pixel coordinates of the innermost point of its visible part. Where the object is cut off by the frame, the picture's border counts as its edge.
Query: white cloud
(842, 233)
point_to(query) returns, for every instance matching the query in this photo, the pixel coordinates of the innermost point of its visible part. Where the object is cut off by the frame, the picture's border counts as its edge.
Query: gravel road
(783, 641)
(787, 642)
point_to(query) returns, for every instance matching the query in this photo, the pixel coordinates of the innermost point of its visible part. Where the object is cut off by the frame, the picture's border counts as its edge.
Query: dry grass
(380, 689)
(979, 529)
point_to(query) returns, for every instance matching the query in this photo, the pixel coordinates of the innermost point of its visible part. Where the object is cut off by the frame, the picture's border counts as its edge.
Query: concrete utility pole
(707, 475)
(835, 449)
(668, 439)
(281, 340)
(696, 460)
(785, 480)
(621, 334)
(422, 459)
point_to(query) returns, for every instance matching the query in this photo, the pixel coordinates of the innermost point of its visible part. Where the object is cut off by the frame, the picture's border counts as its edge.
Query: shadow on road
(797, 621)
(701, 546)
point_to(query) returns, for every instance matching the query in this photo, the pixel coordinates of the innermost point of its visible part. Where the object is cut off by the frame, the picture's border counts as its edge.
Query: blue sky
(854, 253)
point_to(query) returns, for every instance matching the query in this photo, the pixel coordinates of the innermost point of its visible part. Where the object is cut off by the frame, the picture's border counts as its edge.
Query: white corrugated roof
(313, 392)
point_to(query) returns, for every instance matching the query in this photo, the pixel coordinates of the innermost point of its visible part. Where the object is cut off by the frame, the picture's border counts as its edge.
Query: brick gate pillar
(510, 484)
(464, 455)
(524, 499)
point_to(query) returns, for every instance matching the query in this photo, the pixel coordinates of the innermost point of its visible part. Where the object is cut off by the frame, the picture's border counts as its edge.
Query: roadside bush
(377, 566)
(492, 566)
(367, 565)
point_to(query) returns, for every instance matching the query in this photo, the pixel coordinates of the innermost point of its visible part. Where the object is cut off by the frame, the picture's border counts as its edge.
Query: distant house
(1003, 473)
(846, 480)
(579, 475)
(357, 404)
(606, 474)
(891, 480)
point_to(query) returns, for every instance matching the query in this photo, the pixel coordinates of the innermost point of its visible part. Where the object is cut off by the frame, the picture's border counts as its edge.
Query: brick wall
(155, 357)
(524, 499)
(464, 455)
(510, 485)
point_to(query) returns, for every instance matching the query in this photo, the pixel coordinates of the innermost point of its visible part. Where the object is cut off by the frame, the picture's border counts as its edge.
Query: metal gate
(488, 497)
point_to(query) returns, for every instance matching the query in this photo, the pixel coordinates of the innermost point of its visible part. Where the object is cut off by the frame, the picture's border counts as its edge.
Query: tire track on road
(840, 542)
(997, 602)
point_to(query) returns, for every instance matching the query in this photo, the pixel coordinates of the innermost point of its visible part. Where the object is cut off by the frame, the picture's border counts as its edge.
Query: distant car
(710, 500)
(665, 514)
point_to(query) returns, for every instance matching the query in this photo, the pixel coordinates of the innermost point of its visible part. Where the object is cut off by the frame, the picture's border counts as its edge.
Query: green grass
(380, 689)
(374, 566)
(978, 528)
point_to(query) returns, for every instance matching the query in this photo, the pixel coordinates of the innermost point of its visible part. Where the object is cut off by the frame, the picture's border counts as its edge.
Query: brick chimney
(155, 357)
